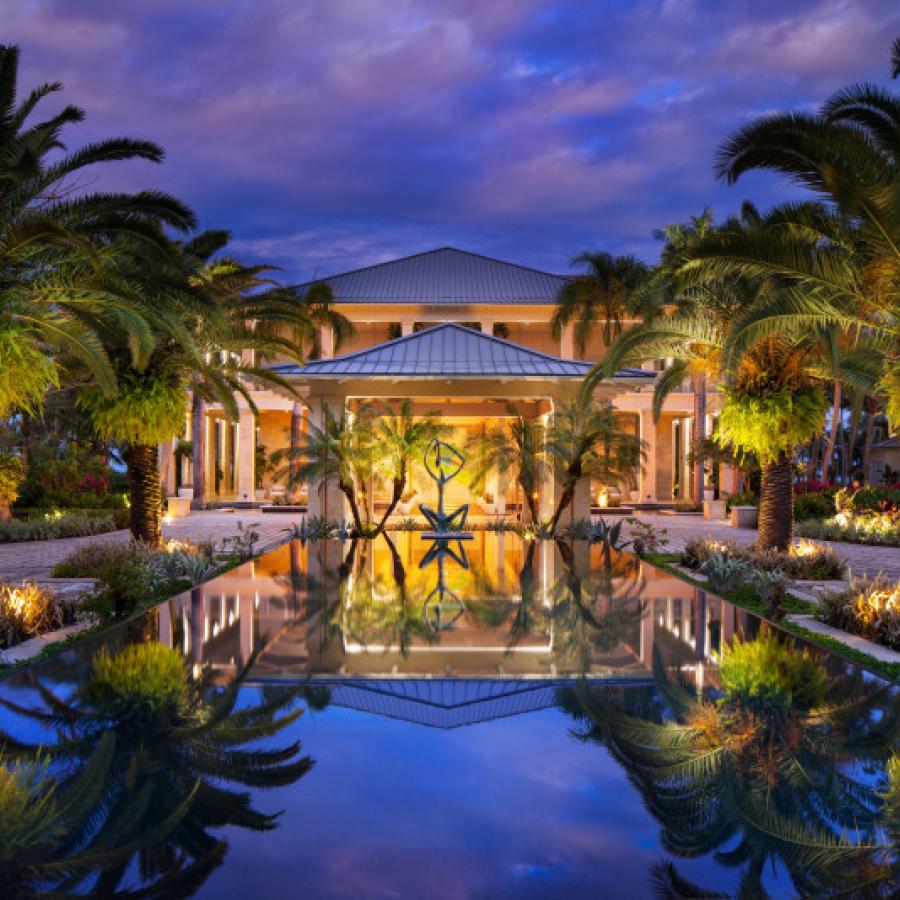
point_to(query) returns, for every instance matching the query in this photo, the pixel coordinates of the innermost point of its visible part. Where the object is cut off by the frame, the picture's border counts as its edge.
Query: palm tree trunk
(869, 406)
(776, 504)
(396, 494)
(568, 493)
(198, 451)
(699, 386)
(532, 503)
(5, 513)
(348, 491)
(145, 493)
(832, 437)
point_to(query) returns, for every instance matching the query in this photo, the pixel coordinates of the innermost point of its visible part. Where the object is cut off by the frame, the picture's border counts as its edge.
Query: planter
(260, 493)
(709, 494)
(186, 493)
(744, 516)
(179, 507)
(714, 509)
(634, 496)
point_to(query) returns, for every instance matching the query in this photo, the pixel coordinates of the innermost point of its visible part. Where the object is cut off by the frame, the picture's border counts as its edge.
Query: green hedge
(69, 525)
(120, 516)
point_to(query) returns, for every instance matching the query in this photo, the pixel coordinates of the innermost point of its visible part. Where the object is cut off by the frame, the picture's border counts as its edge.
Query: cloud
(337, 131)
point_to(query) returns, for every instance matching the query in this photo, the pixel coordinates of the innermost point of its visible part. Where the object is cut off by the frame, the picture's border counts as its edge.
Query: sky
(337, 134)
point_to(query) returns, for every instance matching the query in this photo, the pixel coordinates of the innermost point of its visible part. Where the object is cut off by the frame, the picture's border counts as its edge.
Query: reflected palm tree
(770, 771)
(178, 742)
(591, 611)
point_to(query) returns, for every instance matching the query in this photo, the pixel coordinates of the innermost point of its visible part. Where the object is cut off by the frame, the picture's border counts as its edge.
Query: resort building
(459, 334)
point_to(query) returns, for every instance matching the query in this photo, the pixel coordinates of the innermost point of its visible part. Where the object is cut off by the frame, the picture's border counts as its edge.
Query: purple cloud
(333, 134)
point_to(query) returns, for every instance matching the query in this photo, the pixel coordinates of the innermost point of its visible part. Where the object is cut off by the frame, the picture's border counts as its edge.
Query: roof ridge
(409, 256)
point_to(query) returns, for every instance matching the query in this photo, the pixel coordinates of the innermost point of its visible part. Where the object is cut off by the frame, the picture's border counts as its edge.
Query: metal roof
(447, 350)
(444, 276)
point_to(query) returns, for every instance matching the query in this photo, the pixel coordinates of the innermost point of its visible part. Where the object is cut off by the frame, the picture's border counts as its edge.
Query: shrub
(813, 506)
(804, 560)
(876, 499)
(726, 573)
(125, 585)
(772, 675)
(12, 470)
(27, 610)
(742, 498)
(52, 526)
(88, 561)
(645, 538)
(121, 516)
(856, 528)
(869, 607)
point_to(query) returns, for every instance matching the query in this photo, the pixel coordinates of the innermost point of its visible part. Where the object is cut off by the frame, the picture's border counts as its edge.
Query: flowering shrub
(94, 483)
(869, 607)
(815, 487)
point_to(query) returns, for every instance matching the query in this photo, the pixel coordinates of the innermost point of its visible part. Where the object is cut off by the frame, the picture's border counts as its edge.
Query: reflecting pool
(479, 718)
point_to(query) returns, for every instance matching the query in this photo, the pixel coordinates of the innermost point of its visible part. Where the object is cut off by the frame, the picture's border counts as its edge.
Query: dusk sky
(331, 135)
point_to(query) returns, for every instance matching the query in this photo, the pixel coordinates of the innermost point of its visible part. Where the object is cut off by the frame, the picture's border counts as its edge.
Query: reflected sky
(466, 761)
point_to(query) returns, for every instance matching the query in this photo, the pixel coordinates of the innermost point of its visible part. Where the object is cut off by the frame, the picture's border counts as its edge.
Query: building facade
(459, 334)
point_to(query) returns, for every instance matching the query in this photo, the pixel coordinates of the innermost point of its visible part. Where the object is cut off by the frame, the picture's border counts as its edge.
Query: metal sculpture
(442, 607)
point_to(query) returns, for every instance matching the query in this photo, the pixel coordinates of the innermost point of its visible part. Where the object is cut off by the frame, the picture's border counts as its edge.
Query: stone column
(648, 432)
(167, 468)
(487, 326)
(326, 342)
(567, 341)
(325, 499)
(406, 327)
(296, 439)
(729, 479)
(246, 455)
(245, 625)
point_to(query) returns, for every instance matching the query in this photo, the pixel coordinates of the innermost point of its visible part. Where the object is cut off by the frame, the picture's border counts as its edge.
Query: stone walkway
(34, 560)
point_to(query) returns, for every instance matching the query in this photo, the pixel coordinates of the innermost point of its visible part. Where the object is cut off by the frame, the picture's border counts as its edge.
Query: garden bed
(56, 525)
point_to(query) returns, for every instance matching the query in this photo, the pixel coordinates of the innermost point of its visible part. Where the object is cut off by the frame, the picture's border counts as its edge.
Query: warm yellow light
(804, 548)
(602, 498)
(167, 519)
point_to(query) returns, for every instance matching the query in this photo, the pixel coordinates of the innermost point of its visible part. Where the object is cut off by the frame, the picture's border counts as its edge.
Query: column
(246, 455)
(567, 341)
(648, 432)
(245, 625)
(581, 502)
(325, 498)
(293, 487)
(729, 480)
(167, 468)
(327, 342)
(547, 501)
(406, 327)
(487, 326)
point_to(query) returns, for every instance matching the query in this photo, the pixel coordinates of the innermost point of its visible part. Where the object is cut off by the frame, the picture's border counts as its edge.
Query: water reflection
(127, 760)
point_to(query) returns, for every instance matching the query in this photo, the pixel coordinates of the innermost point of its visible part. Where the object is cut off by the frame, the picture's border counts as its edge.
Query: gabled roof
(444, 276)
(447, 350)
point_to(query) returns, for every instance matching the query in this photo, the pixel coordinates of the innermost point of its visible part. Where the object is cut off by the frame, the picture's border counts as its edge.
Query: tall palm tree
(516, 446)
(586, 440)
(260, 316)
(600, 298)
(150, 401)
(841, 269)
(318, 300)
(404, 438)
(53, 237)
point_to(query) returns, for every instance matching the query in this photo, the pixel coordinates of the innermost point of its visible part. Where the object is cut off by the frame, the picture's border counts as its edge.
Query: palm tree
(585, 440)
(600, 297)
(154, 376)
(178, 741)
(318, 301)
(52, 236)
(839, 269)
(260, 316)
(518, 445)
(342, 448)
(404, 438)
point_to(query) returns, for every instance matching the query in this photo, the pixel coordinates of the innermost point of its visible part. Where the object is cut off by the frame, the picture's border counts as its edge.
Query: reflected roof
(449, 350)
(444, 276)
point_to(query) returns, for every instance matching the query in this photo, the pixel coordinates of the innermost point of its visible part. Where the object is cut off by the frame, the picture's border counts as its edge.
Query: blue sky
(329, 135)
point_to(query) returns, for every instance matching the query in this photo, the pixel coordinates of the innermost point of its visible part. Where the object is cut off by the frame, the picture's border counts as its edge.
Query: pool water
(486, 718)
